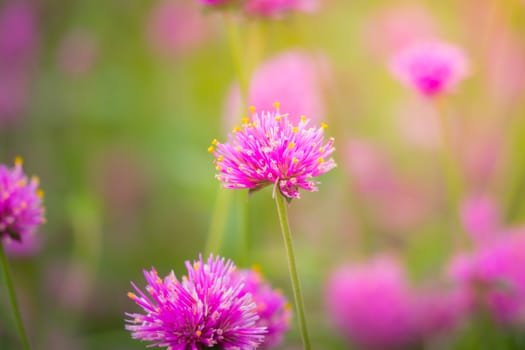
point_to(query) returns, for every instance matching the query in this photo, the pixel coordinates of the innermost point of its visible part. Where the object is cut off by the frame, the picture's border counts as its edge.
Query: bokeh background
(114, 103)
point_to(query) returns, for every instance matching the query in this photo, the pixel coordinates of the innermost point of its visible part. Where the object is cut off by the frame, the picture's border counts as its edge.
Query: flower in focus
(271, 150)
(293, 77)
(272, 307)
(207, 308)
(372, 305)
(432, 68)
(21, 210)
(278, 8)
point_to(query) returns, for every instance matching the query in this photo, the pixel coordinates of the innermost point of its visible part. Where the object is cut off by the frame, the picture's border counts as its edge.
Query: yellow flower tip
(252, 109)
(291, 145)
(257, 268)
(220, 158)
(132, 296)
(211, 149)
(295, 130)
(245, 120)
(295, 160)
(198, 333)
(321, 150)
(218, 168)
(22, 182)
(324, 125)
(40, 193)
(277, 105)
(197, 266)
(278, 118)
(215, 142)
(19, 161)
(303, 118)
(320, 160)
(236, 129)
(287, 306)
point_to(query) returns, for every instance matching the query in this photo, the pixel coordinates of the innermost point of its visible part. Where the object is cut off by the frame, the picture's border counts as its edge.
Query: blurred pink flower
(431, 68)
(293, 78)
(494, 276)
(278, 8)
(396, 27)
(30, 246)
(78, 52)
(372, 305)
(214, 2)
(397, 202)
(481, 218)
(18, 41)
(175, 28)
(418, 124)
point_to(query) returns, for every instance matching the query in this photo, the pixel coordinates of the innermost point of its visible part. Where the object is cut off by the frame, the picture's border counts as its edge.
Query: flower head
(207, 308)
(272, 307)
(432, 68)
(277, 8)
(21, 210)
(271, 150)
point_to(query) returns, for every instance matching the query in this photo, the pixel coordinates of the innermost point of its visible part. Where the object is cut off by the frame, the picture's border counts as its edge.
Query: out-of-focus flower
(175, 28)
(431, 68)
(396, 27)
(480, 217)
(207, 308)
(30, 246)
(294, 78)
(271, 150)
(18, 41)
(272, 307)
(215, 2)
(278, 8)
(494, 277)
(77, 53)
(21, 210)
(372, 305)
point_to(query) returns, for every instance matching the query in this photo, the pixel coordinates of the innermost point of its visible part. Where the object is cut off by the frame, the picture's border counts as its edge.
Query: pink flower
(175, 28)
(270, 149)
(294, 78)
(272, 307)
(481, 218)
(372, 305)
(278, 8)
(431, 68)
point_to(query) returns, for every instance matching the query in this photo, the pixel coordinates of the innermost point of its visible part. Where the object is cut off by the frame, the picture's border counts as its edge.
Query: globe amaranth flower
(207, 308)
(431, 68)
(271, 150)
(272, 307)
(21, 210)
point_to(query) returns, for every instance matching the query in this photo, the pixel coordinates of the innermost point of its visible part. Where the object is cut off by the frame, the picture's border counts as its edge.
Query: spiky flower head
(273, 309)
(207, 308)
(432, 68)
(21, 210)
(271, 150)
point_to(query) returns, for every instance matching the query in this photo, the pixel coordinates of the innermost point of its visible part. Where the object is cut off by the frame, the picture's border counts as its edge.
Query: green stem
(451, 174)
(12, 299)
(296, 287)
(218, 221)
(242, 228)
(235, 48)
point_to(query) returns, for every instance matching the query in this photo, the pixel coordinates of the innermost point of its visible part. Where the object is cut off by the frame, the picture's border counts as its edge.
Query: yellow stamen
(197, 266)
(320, 160)
(291, 145)
(238, 148)
(278, 118)
(198, 333)
(295, 130)
(211, 149)
(236, 129)
(40, 193)
(324, 125)
(19, 160)
(303, 118)
(321, 150)
(218, 168)
(295, 160)
(220, 158)
(252, 109)
(245, 120)
(132, 296)
(35, 180)
(277, 105)
(22, 182)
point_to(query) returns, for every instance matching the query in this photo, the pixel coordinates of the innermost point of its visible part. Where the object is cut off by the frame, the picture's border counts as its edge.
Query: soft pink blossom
(431, 68)
(481, 218)
(278, 8)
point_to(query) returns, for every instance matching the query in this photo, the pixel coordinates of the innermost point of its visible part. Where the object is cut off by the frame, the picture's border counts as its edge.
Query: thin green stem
(242, 228)
(296, 286)
(451, 173)
(12, 299)
(234, 40)
(218, 221)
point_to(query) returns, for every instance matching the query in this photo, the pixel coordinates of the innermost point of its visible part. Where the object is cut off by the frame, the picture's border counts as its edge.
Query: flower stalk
(294, 277)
